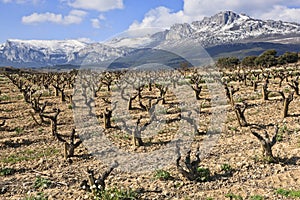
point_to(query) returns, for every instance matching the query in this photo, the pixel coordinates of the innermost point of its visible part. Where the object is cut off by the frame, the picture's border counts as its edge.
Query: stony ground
(30, 153)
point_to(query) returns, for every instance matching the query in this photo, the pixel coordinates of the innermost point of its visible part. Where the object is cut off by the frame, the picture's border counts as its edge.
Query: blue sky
(97, 20)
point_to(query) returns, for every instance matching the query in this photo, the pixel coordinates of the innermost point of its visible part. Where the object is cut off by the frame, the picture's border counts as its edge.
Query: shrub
(19, 130)
(41, 182)
(162, 175)
(203, 174)
(226, 168)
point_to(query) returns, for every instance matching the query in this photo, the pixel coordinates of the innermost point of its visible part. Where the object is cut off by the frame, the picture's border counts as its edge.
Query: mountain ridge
(223, 28)
(228, 27)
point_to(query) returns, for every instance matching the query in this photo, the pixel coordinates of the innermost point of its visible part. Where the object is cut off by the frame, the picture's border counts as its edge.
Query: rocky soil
(29, 152)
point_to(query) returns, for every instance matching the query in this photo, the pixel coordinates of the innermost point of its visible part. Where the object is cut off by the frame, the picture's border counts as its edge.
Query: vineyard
(255, 156)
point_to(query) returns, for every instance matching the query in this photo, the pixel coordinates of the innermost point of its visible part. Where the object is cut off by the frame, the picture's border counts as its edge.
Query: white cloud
(96, 23)
(99, 5)
(255, 8)
(283, 13)
(102, 17)
(194, 10)
(160, 17)
(74, 17)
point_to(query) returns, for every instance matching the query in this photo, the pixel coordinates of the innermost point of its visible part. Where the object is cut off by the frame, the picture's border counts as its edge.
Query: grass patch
(116, 194)
(240, 99)
(19, 97)
(5, 98)
(279, 137)
(27, 155)
(226, 168)
(19, 130)
(39, 196)
(204, 174)
(274, 94)
(233, 128)
(162, 175)
(232, 196)
(123, 136)
(257, 197)
(284, 129)
(289, 193)
(40, 130)
(6, 171)
(41, 183)
(286, 90)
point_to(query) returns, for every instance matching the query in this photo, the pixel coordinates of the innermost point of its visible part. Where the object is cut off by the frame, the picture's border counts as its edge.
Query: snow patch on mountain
(130, 42)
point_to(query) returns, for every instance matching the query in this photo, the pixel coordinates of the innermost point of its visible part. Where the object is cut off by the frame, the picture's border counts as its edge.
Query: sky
(98, 20)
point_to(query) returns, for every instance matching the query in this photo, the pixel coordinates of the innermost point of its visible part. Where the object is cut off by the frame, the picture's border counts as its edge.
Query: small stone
(41, 161)
(3, 190)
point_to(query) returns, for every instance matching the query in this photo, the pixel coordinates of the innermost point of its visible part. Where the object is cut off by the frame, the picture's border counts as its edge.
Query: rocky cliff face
(229, 27)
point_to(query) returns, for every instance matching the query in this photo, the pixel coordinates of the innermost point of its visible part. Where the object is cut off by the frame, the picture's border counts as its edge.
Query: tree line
(268, 58)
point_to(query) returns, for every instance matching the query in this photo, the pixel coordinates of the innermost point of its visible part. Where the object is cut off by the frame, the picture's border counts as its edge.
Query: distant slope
(241, 50)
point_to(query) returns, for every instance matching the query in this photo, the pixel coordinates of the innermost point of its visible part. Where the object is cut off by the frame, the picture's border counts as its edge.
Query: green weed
(162, 175)
(288, 193)
(116, 194)
(41, 182)
(232, 196)
(6, 171)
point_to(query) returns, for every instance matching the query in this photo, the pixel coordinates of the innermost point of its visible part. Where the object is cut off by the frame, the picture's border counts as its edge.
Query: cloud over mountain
(196, 9)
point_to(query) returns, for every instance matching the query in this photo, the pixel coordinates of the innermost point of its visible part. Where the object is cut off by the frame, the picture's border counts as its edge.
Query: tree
(249, 61)
(228, 62)
(288, 57)
(267, 59)
(271, 52)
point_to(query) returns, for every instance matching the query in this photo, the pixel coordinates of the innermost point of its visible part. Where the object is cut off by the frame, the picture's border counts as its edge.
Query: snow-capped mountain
(40, 51)
(33, 53)
(228, 27)
(223, 28)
